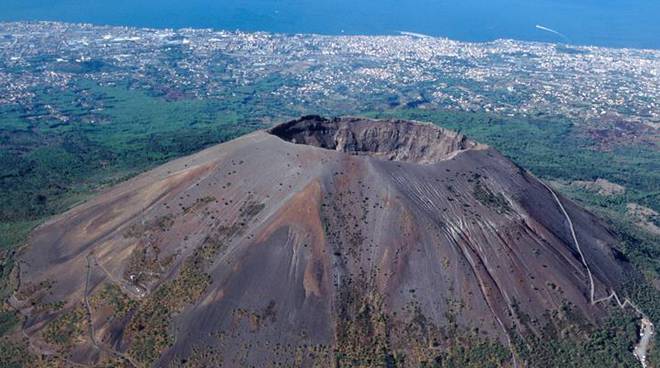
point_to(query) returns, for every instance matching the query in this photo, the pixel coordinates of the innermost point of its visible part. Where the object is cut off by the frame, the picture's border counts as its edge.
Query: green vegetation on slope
(568, 342)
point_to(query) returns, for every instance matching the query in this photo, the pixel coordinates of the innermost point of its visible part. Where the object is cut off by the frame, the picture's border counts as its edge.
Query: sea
(610, 23)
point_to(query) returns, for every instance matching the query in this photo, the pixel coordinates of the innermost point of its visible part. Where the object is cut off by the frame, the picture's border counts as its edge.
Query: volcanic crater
(320, 242)
(396, 140)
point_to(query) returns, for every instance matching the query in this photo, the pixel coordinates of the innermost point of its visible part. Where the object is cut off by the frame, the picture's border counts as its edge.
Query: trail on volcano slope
(645, 323)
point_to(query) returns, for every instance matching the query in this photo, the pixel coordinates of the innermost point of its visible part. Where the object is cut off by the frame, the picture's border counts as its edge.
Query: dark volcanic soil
(316, 243)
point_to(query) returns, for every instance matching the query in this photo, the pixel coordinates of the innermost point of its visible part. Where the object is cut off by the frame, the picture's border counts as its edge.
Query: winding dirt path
(647, 328)
(92, 334)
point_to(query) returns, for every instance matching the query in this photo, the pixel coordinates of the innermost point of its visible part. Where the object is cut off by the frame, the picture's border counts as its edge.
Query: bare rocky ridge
(316, 243)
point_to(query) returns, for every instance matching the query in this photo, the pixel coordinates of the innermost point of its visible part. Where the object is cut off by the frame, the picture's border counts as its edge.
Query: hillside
(317, 243)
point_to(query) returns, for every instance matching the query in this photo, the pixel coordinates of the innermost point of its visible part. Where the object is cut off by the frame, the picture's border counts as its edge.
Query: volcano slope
(317, 243)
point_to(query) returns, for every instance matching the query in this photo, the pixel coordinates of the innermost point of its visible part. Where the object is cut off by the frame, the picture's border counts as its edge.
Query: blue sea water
(613, 23)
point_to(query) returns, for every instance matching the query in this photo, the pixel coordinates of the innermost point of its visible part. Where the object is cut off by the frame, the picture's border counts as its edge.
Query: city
(329, 73)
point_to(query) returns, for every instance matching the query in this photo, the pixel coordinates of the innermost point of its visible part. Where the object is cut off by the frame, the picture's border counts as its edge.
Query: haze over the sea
(613, 23)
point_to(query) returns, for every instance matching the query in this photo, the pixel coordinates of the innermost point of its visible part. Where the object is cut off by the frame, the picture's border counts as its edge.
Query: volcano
(319, 242)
